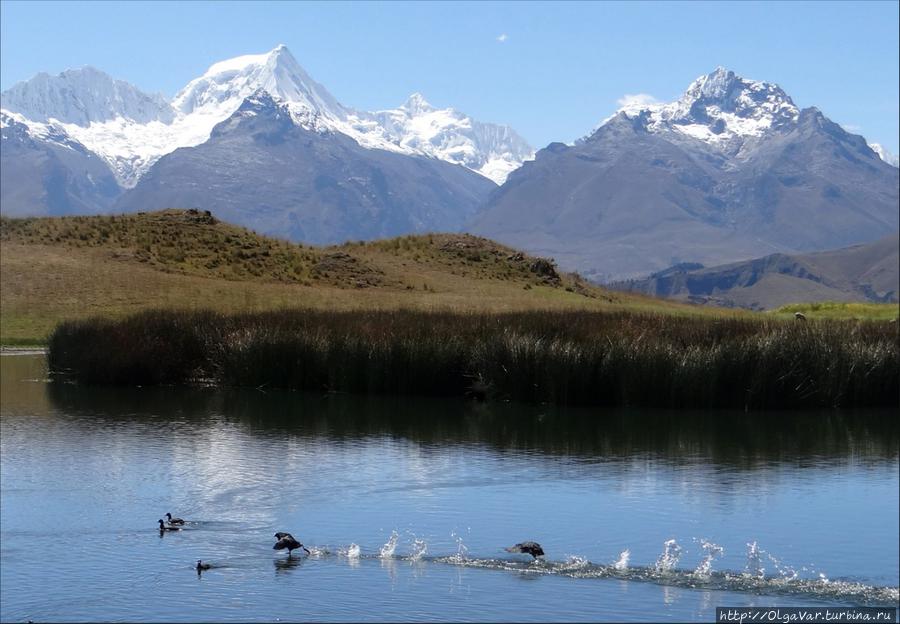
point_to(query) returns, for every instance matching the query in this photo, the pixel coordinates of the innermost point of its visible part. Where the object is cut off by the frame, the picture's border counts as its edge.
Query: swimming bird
(286, 540)
(167, 527)
(202, 566)
(174, 520)
(531, 548)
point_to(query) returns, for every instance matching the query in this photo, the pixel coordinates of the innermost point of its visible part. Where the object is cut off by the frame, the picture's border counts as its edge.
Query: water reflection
(286, 564)
(733, 440)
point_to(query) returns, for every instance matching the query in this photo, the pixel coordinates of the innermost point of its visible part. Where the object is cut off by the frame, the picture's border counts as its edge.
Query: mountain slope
(50, 174)
(263, 170)
(732, 170)
(860, 273)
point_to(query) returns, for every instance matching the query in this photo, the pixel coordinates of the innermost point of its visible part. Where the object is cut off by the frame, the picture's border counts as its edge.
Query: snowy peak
(723, 91)
(418, 127)
(227, 83)
(719, 108)
(82, 97)
(416, 104)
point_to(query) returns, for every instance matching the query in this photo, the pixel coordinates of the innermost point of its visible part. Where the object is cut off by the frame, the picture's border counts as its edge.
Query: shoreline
(15, 350)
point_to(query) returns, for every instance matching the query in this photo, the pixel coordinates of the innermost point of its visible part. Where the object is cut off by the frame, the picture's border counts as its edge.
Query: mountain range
(83, 142)
(732, 170)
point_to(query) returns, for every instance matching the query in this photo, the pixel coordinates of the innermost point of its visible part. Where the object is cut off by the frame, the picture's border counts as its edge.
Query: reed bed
(571, 357)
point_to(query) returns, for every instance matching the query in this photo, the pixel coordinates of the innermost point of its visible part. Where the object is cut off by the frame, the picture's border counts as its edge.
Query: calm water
(86, 473)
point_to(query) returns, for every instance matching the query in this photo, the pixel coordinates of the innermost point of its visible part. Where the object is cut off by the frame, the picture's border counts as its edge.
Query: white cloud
(854, 128)
(636, 100)
(503, 37)
(885, 155)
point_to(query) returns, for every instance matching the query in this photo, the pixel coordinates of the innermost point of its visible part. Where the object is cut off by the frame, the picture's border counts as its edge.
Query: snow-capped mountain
(885, 155)
(731, 170)
(226, 84)
(82, 97)
(725, 111)
(492, 150)
(262, 169)
(131, 130)
(414, 128)
(721, 109)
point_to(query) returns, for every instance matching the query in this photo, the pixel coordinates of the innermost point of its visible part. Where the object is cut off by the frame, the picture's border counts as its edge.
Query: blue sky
(550, 70)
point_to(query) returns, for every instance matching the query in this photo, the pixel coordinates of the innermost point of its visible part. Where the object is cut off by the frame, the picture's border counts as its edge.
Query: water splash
(712, 551)
(785, 571)
(669, 558)
(352, 551)
(316, 551)
(387, 551)
(671, 577)
(574, 562)
(419, 548)
(462, 551)
(754, 565)
(622, 562)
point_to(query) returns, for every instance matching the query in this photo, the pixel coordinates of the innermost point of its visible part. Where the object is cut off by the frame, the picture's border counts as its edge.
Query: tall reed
(571, 357)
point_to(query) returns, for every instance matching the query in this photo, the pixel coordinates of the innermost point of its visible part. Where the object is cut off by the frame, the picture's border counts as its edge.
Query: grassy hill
(74, 267)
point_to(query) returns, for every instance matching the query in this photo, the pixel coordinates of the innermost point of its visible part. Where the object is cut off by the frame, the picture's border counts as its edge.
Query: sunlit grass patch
(841, 310)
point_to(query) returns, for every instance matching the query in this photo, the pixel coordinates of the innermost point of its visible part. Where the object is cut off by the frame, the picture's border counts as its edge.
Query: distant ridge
(860, 273)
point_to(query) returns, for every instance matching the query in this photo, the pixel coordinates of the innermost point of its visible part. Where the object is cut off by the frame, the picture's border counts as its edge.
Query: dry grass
(111, 266)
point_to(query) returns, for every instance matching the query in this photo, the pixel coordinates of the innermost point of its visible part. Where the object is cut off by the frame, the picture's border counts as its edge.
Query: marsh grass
(841, 310)
(567, 357)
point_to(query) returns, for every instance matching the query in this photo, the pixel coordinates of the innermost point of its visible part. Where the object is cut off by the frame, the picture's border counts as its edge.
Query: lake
(406, 505)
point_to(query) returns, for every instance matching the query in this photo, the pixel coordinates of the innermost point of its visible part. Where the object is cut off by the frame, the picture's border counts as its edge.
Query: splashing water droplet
(387, 551)
(712, 551)
(575, 562)
(786, 572)
(622, 562)
(754, 561)
(669, 558)
(419, 548)
(351, 552)
(462, 551)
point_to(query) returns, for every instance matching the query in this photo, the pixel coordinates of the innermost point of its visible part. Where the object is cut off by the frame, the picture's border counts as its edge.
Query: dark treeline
(575, 358)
